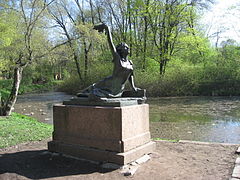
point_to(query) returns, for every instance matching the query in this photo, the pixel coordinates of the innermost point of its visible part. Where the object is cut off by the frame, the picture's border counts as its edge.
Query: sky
(222, 17)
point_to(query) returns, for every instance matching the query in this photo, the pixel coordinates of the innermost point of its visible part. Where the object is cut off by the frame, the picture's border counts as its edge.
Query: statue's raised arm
(101, 27)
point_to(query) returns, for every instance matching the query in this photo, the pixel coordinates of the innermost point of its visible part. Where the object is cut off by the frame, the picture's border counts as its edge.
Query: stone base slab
(110, 134)
(105, 102)
(101, 155)
(117, 129)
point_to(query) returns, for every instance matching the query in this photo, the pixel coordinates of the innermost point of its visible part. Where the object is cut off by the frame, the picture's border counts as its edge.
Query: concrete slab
(238, 150)
(237, 161)
(143, 159)
(236, 172)
(101, 155)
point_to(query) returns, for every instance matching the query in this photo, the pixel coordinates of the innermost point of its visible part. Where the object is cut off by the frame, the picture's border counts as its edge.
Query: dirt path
(181, 161)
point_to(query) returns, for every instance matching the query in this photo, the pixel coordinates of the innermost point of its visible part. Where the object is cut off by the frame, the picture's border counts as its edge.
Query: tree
(60, 16)
(75, 20)
(167, 20)
(230, 52)
(29, 13)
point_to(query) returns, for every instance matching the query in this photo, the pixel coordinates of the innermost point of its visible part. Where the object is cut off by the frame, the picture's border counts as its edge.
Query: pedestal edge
(101, 155)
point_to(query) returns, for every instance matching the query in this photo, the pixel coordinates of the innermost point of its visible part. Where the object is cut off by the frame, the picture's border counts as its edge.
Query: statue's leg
(82, 94)
(86, 92)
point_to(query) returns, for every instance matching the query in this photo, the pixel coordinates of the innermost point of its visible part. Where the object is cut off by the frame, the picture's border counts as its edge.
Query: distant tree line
(46, 40)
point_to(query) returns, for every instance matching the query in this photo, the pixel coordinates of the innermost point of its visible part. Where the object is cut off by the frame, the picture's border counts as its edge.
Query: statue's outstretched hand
(100, 27)
(135, 89)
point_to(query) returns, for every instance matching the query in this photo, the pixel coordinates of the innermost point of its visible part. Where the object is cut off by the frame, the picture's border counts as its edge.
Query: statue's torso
(114, 85)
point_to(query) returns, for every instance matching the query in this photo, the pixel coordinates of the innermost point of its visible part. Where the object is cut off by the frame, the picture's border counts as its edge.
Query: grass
(38, 88)
(161, 139)
(18, 128)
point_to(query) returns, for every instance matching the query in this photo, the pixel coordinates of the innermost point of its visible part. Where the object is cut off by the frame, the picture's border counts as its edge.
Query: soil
(172, 160)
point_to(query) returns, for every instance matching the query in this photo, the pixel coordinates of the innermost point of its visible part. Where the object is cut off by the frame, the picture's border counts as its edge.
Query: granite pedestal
(118, 134)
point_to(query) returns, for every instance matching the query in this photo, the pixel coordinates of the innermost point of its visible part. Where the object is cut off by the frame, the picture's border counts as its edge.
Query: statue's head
(123, 49)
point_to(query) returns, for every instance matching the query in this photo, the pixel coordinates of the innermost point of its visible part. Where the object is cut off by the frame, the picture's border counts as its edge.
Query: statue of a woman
(113, 85)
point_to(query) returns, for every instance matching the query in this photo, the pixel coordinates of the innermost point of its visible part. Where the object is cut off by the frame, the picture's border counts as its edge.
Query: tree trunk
(91, 7)
(145, 43)
(77, 66)
(130, 24)
(161, 67)
(85, 60)
(75, 57)
(145, 35)
(7, 108)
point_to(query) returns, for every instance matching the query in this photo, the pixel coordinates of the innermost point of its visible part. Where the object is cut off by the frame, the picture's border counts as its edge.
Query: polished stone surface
(108, 102)
(112, 128)
(106, 129)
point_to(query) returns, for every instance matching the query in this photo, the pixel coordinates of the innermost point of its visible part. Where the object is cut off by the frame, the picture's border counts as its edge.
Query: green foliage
(194, 49)
(171, 55)
(184, 79)
(21, 37)
(6, 85)
(4, 95)
(8, 34)
(39, 73)
(186, 76)
(5, 88)
(18, 128)
(177, 82)
(37, 88)
(7, 30)
(73, 85)
(87, 32)
(169, 140)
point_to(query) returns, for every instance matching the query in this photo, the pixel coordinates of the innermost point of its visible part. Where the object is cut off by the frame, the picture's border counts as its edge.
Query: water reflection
(40, 106)
(213, 119)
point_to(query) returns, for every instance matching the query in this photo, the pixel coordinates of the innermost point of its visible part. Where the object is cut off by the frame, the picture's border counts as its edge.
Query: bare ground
(181, 161)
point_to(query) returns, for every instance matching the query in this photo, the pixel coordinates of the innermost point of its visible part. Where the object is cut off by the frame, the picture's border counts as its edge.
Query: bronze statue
(113, 86)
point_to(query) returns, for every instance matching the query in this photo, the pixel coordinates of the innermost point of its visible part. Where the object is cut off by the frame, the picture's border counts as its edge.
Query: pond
(210, 119)
(40, 106)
